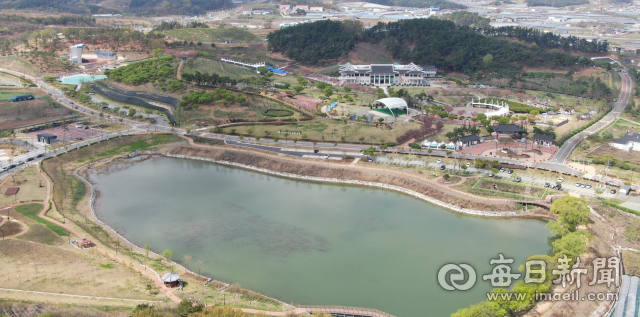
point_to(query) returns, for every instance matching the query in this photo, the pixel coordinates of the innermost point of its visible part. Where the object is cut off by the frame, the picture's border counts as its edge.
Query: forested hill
(449, 46)
(148, 7)
(442, 4)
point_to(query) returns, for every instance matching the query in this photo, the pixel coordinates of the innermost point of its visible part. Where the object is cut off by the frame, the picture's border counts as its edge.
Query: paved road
(625, 96)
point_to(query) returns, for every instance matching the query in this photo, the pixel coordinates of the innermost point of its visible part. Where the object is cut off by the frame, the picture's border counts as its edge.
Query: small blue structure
(276, 71)
(21, 98)
(102, 55)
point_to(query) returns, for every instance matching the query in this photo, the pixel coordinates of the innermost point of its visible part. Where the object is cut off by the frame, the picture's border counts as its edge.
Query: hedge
(277, 112)
(620, 207)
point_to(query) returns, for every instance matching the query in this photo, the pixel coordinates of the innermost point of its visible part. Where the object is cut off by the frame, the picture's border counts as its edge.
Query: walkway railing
(346, 310)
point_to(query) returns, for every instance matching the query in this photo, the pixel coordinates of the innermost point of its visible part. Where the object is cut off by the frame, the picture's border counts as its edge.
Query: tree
(168, 254)
(187, 307)
(157, 52)
(132, 112)
(298, 88)
(276, 139)
(187, 259)
(430, 151)
(199, 264)
(263, 70)
(147, 248)
(487, 60)
(571, 211)
(369, 151)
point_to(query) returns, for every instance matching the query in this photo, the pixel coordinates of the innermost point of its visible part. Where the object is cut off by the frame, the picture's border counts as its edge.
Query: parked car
(613, 191)
(369, 159)
(55, 124)
(468, 164)
(502, 170)
(78, 138)
(105, 107)
(589, 186)
(12, 166)
(85, 127)
(518, 180)
(510, 172)
(40, 155)
(30, 159)
(443, 167)
(316, 151)
(5, 168)
(578, 184)
(439, 161)
(504, 151)
(20, 162)
(491, 175)
(583, 185)
(91, 93)
(78, 126)
(526, 155)
(326, 156)
(547, 185)
(561, 179)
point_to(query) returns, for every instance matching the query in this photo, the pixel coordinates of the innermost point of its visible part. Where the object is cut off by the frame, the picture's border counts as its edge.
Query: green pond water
(310, 243)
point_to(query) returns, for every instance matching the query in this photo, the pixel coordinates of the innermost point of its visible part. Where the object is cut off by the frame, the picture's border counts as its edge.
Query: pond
(310, 243)
(78, 79)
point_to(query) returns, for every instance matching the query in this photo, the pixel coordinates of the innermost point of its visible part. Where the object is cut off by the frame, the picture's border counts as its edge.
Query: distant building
(507, 129)
(316, 9)
(47, 138)
(543, 139)
(469, 140)
(302, 7)
(629, 142)
(75, 53)
(386, 74)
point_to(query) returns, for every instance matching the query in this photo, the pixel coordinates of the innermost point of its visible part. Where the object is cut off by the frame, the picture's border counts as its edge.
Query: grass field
(236, 35)
(39, 233)
(29, 181)
(331, 130)
(32, 210)
(140, 145)
(204, 65)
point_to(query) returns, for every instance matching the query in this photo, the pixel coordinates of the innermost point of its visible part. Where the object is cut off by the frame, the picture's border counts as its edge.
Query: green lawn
(141, 145)
(32, 210)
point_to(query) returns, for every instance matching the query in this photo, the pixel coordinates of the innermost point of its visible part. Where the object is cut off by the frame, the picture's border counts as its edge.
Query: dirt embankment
(342, 172)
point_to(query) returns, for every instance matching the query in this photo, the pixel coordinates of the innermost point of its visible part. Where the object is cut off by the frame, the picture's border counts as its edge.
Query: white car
(78, 126)
(439, 161)
(468, 164)
(326, 156)
(560, 179)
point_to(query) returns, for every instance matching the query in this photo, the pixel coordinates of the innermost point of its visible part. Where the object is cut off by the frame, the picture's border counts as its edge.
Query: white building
(316, 9)
(386, 74)
(75, 53)
(629, 142)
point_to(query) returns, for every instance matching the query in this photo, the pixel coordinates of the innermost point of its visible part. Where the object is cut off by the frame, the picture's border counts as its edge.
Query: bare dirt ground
(618, 154)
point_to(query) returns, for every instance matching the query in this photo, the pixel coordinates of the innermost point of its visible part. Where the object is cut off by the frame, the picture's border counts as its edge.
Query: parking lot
(568, 185)
(72, 133)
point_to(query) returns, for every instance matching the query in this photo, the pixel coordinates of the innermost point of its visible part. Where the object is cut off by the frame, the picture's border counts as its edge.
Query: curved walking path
(45, 208)
(25, 228)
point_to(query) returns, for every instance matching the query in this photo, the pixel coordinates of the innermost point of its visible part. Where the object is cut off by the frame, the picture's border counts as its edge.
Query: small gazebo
(171, 279)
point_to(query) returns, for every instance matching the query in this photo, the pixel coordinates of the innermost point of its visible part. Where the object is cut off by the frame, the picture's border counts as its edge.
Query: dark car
(442, 168)
(613, 191)
(547, 185)
(510, 172)
(55, 124)
(85, 127)
(369, 159)
(78, 138)
(12, 166)
(316, 151)
(30, 159)
(40, 155)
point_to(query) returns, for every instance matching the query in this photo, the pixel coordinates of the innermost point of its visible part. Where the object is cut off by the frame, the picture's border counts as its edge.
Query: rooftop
(507, 128)
(629, 137)
(469, 138)
(543, 137)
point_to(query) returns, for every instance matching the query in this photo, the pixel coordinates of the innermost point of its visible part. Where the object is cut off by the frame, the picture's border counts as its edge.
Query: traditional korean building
(386, 74)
